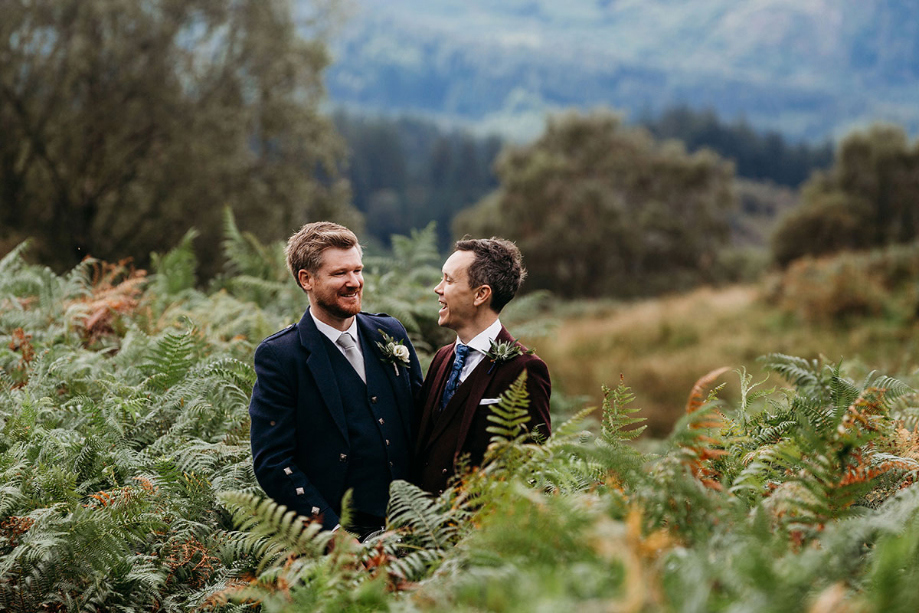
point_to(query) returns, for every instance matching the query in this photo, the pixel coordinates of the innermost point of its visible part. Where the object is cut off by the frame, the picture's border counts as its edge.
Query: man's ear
(305, 279)
(482, 296)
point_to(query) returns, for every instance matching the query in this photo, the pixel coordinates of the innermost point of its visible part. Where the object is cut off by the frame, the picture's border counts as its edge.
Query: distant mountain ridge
(809, 69)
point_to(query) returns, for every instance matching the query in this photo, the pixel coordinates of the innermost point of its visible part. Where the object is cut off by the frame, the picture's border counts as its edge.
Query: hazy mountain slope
(806, 67)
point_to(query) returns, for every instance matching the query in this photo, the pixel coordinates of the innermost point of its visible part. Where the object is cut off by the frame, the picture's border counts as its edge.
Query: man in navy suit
(479, 279)
(331, 410)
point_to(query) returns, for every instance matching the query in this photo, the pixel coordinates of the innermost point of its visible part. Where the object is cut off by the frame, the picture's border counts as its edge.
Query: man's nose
(355, 278)
(439, 288)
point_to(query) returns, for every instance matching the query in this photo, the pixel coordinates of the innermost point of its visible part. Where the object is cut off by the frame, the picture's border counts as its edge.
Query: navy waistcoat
(379, 449)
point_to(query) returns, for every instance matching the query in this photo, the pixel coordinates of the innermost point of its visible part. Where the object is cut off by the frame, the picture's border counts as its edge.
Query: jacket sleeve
(539, 387)
(274, 439)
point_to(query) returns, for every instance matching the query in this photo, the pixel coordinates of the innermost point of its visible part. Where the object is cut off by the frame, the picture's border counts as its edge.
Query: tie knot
(345, 341)
(462, 350)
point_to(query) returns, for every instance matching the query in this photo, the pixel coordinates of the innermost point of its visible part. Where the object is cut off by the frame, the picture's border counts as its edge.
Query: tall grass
(861, 308)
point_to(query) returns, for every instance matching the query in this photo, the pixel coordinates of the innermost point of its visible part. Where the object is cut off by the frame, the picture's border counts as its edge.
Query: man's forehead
(336, 256)
(458, 262)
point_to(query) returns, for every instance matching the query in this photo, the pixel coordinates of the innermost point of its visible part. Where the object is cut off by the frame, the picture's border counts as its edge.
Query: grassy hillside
(838, 308)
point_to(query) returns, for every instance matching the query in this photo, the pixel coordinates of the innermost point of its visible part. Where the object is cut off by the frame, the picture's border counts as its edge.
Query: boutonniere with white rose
(500, 352)
(394, 351)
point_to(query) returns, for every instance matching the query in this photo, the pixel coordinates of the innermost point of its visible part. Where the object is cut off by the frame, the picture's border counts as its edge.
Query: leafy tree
(758, 156)
(600, 209)
(867, 199)
(124, 123)
(407, 172)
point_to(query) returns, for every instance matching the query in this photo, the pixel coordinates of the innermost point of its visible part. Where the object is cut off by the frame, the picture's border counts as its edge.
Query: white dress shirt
(480, 346)
(332, 334)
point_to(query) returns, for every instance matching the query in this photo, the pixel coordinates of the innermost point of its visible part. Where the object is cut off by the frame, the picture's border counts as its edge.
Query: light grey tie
(354, 356)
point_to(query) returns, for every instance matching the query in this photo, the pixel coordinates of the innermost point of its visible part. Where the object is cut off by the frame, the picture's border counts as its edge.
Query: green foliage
(408, 172)
(764, 157)
(126, 477)
(851, 286)
(617, 415)
(865, 200)
(125, 124)
(599, 209)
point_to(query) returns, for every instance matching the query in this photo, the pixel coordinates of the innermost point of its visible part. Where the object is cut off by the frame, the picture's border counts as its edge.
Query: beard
(335, 306)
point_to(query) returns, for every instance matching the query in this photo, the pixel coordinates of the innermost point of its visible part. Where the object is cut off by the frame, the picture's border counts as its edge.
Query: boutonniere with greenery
(394, 351)
(500, 352)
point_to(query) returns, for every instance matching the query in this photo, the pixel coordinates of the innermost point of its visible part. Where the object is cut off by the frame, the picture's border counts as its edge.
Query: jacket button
(373, 399)
(381, 421)
(343, 457)
(387, 442)
(443, 472)
(391, 464)
(272, 423)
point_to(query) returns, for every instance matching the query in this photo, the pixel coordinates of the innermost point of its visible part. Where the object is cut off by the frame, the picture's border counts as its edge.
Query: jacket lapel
(318, 362)
(485, 372)
(439, 370)
(466, 399)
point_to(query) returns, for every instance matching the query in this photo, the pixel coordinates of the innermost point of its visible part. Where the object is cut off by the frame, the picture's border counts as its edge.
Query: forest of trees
(869, 198)
(406, 172)
(124, 126)
(758, 156)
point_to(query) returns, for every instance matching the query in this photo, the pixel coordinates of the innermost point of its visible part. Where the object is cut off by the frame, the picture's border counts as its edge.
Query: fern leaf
(510, 412)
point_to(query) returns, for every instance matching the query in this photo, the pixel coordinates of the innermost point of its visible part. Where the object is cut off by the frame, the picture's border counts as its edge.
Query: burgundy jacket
(461, 427)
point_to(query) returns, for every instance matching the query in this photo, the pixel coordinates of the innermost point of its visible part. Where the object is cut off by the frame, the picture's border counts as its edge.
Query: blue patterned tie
(453, 382)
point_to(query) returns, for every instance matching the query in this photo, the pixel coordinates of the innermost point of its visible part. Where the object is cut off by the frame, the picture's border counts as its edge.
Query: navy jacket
(299, 433)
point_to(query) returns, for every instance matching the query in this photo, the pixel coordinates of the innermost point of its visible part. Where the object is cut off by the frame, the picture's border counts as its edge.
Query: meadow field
(661, 346)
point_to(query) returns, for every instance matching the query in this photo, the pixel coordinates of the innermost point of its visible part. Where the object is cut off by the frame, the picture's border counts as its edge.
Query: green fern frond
(245, 255)
(13, 261)
(893, 388)
(798, 371)
(617, 416)
(272, 533)
(510, 412)
(175, 271)
(749, 394)
(170, 359)
(415, 513)
(843, 391)
(771, 434)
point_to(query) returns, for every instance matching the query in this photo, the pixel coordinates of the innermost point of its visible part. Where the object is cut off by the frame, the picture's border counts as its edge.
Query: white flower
(401, 352)
(393, 351)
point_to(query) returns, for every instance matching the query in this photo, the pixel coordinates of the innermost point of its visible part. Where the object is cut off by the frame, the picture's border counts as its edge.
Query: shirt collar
(482, 341)
(332, 334)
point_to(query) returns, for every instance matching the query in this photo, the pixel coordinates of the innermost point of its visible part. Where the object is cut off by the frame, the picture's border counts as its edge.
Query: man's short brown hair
(497, 264)
(305, 247)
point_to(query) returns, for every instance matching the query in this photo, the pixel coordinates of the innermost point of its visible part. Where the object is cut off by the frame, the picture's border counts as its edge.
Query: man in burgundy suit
(479, 279)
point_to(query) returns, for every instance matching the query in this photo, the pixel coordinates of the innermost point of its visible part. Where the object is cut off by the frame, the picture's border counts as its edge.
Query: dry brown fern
(703, 447)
